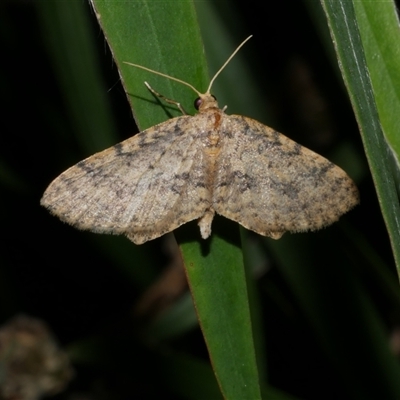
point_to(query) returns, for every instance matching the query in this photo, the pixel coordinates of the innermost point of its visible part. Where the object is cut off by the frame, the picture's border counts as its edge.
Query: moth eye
(197, 103)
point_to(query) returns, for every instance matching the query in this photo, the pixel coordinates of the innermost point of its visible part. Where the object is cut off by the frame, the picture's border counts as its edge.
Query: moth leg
(182, 110)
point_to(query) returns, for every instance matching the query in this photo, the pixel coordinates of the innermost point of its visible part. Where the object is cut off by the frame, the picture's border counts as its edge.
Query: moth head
(205, 101)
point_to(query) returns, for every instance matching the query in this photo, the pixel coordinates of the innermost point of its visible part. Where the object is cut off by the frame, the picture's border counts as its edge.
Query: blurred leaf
(86, 100)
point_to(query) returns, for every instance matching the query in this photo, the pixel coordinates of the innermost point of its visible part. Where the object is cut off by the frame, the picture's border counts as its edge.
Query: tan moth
(191, 167)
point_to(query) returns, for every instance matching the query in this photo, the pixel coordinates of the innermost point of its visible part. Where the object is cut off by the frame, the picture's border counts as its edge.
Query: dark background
(85, 286)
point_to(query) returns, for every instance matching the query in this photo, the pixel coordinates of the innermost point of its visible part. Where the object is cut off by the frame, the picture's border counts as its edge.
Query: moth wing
(271, 184)
(143, 187)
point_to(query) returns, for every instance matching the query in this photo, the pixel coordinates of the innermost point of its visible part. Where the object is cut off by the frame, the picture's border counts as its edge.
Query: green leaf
(218, 285)
(378, 24)
(344, 27)
(166, 38)
(148, 33)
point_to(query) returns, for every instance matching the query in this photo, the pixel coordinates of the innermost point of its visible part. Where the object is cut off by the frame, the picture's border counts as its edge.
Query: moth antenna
(188, 84)
(165, 76)
(226, 62)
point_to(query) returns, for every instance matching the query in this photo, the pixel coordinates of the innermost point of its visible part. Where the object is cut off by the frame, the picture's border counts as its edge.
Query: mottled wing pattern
(143, 187)
(271, 184)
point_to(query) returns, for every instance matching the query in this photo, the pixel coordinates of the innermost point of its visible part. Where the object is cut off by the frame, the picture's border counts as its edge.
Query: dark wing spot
(118, 149)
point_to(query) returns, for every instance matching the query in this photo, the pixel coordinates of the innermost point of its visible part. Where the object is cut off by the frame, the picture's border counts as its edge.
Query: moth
(191, 167)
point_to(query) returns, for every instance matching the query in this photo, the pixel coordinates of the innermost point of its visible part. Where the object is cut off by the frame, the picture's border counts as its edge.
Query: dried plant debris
(192, 167)
(32, 364)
